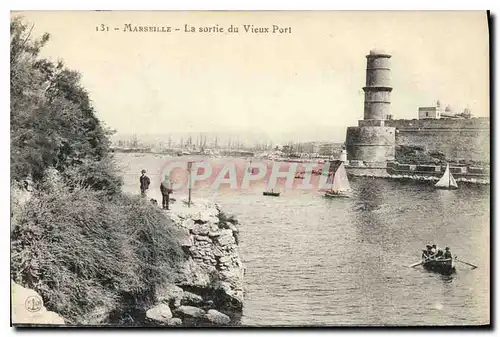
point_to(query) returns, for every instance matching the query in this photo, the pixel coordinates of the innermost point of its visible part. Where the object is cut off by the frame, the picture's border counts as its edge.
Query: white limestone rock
(217, 317)
(160, 313)
(190, 312)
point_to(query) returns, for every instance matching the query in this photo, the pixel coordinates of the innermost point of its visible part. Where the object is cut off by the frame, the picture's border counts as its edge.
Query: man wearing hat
(166, 189)
(428, 252)
(447, 253)
(144, 180)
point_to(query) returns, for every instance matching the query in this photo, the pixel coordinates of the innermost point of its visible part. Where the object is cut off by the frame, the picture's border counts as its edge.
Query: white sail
(453, 182)
(447, 179)
(340, 181)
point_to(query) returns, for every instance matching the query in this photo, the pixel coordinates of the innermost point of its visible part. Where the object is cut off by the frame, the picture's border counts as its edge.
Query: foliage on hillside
(77, 239)
(53, 122)
(82, 253)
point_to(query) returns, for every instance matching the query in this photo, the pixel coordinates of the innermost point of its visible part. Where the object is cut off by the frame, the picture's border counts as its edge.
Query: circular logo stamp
(33, 303)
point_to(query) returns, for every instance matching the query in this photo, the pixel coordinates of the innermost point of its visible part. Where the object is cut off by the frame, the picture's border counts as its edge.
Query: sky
(304, 84)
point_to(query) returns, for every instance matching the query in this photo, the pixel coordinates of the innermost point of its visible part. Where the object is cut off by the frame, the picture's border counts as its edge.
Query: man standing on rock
(144, 180)
(166, 189)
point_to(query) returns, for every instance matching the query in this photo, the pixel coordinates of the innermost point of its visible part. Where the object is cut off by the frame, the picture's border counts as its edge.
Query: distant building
(429, 112)
(436, 112)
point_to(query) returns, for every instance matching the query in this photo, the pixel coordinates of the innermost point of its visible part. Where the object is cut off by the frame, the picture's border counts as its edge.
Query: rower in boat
(447, 253)
(426, 252)
(443, 264)
(437, 260)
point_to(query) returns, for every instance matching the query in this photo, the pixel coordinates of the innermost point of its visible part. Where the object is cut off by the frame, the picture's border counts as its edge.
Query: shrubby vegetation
(418, 155)
(78, 241)
(53, 122)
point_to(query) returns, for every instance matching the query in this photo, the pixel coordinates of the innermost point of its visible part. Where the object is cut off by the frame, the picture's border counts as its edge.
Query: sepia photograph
(207, 169)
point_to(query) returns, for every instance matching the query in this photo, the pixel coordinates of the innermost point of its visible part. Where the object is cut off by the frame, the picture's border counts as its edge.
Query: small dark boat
(440, 265)
(443, 264)
(436, 261)
(271, 193)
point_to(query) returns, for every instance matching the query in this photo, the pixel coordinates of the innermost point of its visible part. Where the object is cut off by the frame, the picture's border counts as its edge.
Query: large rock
(194, 275)
(160, 313)
(189, 312)
(213, 264)
(28, 308)
(188, 224)
(187, 241)
(189, 298)
(215, 317)
(174, 321)
(201, 229)
(202, 238)
(229, 294)
(169, 294)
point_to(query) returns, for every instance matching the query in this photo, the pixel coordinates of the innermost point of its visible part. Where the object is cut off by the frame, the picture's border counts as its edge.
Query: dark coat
(144, 182)
(165, 188)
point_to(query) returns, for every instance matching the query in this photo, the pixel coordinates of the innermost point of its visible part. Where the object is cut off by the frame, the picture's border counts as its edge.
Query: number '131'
(102, 28)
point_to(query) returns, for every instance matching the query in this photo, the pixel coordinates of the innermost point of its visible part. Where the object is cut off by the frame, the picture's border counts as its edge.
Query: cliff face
(209, 287)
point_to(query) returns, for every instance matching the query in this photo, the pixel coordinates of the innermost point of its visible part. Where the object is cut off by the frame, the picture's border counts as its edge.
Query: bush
(78, 241)
(53, 122)
(83, 250)
(99, 175)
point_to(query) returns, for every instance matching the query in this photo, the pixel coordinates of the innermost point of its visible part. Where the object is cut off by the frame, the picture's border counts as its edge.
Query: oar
(415, 264)
(467, 263)
(419, 263)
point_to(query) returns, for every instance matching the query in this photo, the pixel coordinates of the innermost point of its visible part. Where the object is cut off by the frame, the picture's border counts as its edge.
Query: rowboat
(443, 264)
(271, 193)
(440, 265)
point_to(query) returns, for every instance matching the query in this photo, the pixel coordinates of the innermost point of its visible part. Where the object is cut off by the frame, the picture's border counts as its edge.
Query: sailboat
(338, 178)
(447, 181)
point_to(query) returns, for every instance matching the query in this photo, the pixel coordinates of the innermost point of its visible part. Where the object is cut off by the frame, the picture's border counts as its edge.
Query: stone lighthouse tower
(371, 141)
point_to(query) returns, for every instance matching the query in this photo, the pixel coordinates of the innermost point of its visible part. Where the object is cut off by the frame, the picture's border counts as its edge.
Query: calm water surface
(311, 260)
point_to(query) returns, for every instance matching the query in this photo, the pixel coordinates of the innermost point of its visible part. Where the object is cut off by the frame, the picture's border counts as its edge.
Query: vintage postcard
(250, 168)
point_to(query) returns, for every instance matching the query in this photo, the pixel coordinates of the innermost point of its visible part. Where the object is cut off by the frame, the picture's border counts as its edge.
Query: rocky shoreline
(208, 290)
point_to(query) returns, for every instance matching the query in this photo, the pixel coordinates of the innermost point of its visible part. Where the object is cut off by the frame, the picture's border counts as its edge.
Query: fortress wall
(473, 123)
(461, 144)
(456, 138)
